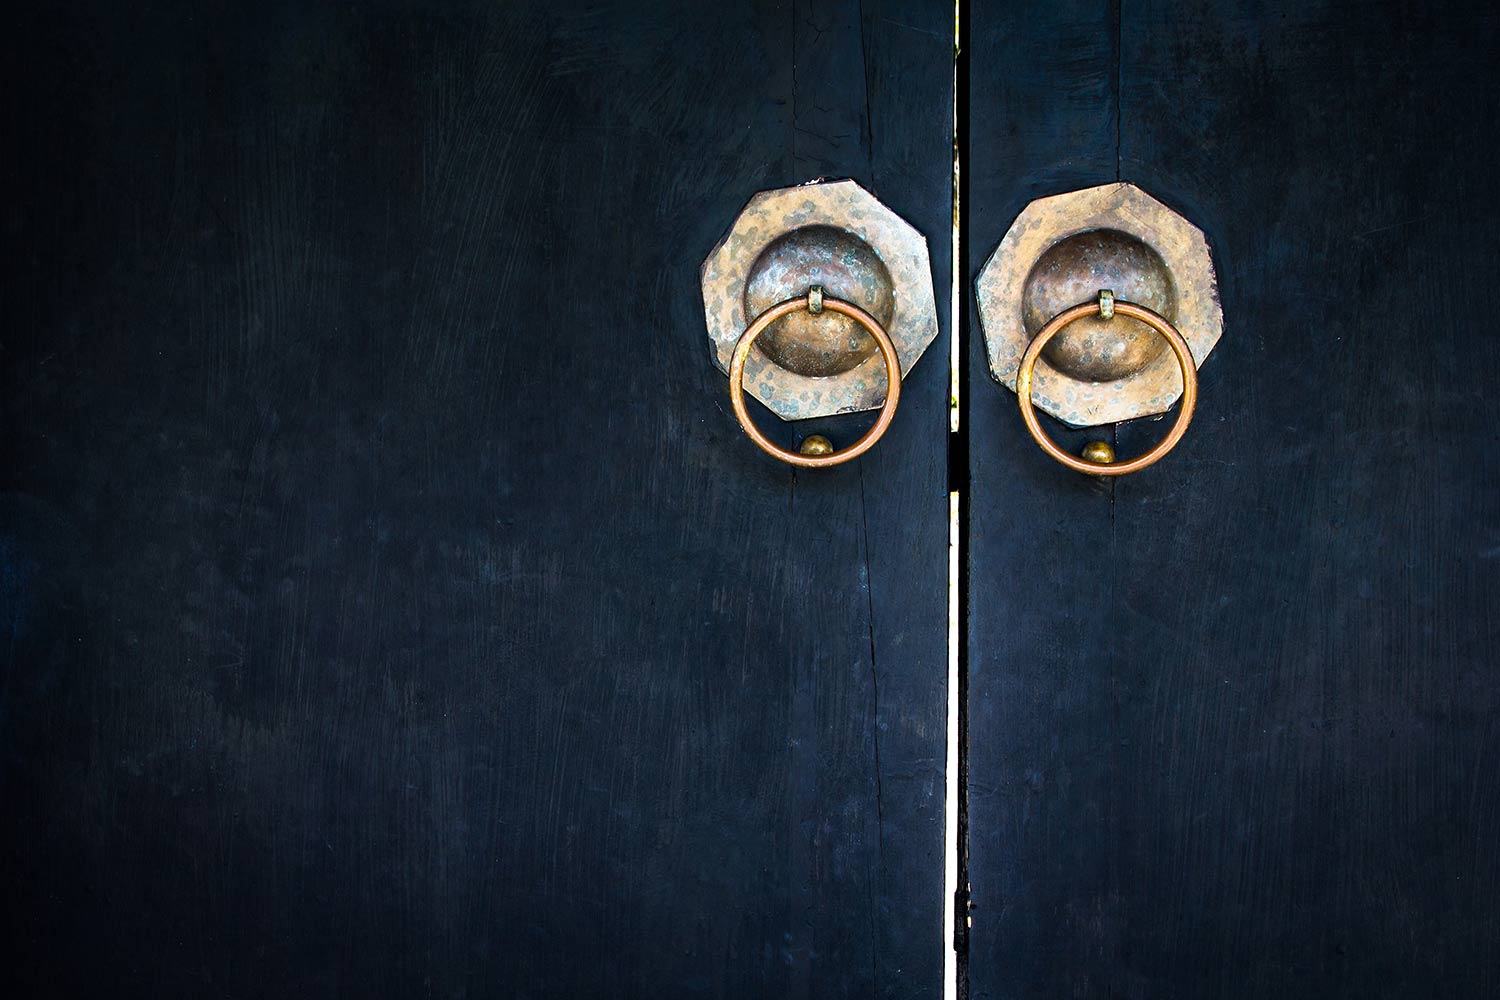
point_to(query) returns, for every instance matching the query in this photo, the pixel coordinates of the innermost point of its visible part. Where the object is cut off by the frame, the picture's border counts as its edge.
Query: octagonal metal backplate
(1125, 208)
(843, 205)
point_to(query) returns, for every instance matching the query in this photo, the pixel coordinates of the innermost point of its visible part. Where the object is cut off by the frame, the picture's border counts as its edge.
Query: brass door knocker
(1081, 302)
(817, 301)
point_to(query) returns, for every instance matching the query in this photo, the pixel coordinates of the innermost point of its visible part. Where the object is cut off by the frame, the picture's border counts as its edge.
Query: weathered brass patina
(837, 237)
(838, 263)
(1061, 252)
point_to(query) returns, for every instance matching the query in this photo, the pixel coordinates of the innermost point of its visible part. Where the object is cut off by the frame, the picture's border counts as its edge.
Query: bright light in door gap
(953, 297)
(950, 800)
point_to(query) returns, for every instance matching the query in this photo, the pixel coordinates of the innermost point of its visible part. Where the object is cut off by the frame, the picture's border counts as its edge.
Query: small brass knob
(1098, 452)
(816, 444)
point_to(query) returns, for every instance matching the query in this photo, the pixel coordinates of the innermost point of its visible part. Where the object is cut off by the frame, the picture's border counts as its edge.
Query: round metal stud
(1098, 452)
(816, 444)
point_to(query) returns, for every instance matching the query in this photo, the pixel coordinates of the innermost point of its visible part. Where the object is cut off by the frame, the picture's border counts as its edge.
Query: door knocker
(1098, 306)
(818, 301)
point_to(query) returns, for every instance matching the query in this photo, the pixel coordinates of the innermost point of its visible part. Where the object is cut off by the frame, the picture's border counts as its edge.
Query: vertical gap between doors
(956, 860)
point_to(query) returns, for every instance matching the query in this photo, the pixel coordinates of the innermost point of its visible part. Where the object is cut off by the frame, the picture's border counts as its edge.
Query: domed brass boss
(1073, 270)
(836, 238)
(1133, 278)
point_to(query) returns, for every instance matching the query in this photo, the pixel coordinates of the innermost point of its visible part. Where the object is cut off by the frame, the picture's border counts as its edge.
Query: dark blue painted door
(389, 603)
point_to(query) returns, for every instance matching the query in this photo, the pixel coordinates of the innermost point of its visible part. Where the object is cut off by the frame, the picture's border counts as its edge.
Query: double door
(390, 604)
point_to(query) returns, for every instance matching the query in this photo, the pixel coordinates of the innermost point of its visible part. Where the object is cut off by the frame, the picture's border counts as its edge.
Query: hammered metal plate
(844, 205)
(1124, 207)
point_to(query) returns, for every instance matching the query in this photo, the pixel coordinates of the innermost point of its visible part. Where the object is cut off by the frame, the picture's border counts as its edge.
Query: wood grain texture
(391, 605)
(1262, 764)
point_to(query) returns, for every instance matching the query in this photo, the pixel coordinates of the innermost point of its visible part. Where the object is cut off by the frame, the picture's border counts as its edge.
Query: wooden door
(389, 602)
(1233, 721)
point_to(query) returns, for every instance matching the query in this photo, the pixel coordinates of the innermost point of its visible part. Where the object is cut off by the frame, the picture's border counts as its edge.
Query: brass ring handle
(814, 301)
(1105, 307)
